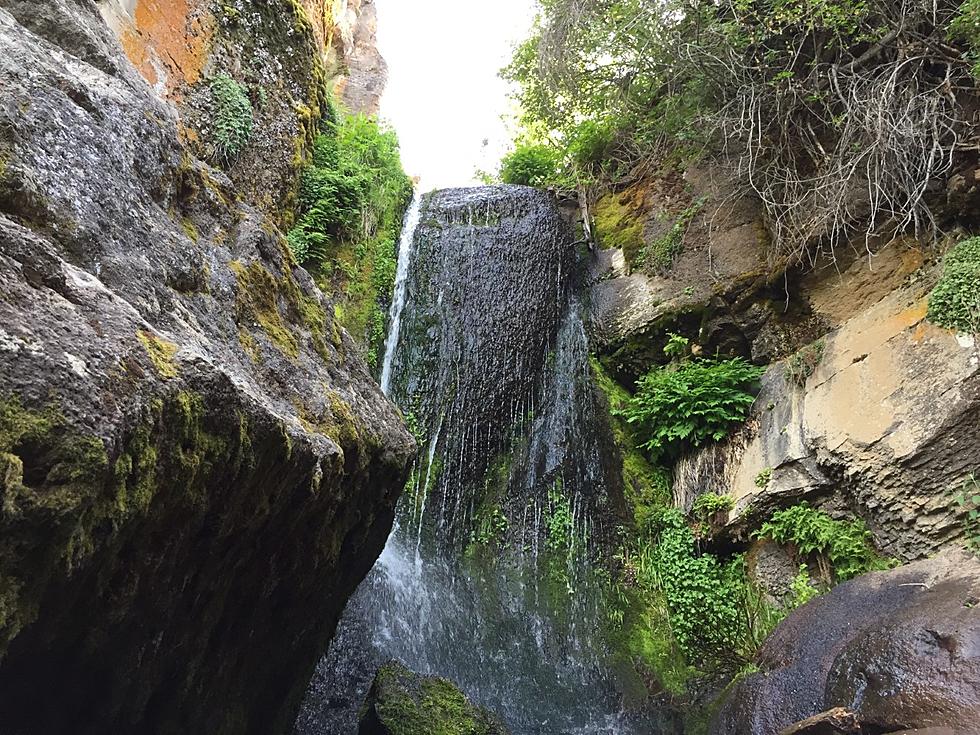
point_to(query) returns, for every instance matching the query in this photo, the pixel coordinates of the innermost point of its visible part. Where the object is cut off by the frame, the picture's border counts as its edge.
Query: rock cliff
(196, 469)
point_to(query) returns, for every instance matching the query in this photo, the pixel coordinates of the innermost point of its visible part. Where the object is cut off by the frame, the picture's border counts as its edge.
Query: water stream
(489, 575)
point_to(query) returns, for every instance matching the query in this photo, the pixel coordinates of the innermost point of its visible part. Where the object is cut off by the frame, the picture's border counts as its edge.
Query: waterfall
(405, 243)
(488, 577)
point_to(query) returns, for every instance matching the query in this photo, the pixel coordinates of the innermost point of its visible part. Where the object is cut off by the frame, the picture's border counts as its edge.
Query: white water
(405, 246)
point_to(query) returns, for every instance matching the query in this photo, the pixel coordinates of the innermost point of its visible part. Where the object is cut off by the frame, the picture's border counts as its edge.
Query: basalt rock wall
(196, 468)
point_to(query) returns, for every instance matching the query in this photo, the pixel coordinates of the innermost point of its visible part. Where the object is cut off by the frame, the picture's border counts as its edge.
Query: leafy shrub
(231, 123)
(763, 478)
(968, 499)
(709, 504)
(842, 548)
(955, 301)
(677, 346)
(694, 403)
(716, 616)
(804, 363)
(801, 589)
(530, 165)
(558, 521)
(353, 188)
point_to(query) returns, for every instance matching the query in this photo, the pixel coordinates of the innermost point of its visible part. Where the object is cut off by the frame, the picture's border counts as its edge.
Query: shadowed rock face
(899, 649)
(196, 469)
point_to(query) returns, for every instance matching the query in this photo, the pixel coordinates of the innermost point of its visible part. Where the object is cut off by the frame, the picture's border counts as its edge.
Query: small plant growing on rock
(955, 301)
(677, 346)
(968, 499)
(763, 478)
(710, 504)
(232, 117)
(803, 364)
(801, 589)
(842, 549)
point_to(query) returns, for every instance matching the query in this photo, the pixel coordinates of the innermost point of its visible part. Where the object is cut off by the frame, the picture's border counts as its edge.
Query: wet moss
(161, 353)
(47, 473)
(619, 221)
(403, 703)
(258, 298)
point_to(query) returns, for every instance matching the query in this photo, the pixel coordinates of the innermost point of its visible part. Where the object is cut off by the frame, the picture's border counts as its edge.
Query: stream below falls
(489, 577)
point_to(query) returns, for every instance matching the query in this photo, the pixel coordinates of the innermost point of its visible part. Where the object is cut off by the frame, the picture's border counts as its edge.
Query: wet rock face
(487, 290)
(900, 650)
(403, 703)
(196, 469)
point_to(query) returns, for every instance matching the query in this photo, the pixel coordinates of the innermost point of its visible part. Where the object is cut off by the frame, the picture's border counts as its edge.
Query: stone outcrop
(884, 427)
(404, 703)
(196, 469)
(899, 650)
(282, 52)
(363, 71)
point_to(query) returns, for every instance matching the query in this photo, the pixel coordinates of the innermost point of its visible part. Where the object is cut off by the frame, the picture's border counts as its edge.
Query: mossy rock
(402, 702)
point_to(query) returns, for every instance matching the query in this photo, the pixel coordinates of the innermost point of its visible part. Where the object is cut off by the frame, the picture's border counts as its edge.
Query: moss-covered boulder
(405, 703)
(196, 468)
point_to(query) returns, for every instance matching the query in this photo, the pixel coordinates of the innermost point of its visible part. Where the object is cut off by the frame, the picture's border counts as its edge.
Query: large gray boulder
(196, 469)
(899, 649)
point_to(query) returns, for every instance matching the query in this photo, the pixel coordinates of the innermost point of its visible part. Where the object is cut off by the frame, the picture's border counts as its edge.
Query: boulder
(404, 703)
(196, 468)
(899, 649)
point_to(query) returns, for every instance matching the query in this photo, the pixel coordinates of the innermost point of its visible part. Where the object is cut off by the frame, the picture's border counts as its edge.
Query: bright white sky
(444, 97)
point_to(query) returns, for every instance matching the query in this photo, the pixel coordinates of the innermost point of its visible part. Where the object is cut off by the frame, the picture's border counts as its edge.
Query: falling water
(487, 577)
(405, 244)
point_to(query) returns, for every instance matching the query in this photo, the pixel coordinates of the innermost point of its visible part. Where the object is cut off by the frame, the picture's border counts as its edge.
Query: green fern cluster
(231, 122)
(845, 545)
(955, 301)
(692, 404)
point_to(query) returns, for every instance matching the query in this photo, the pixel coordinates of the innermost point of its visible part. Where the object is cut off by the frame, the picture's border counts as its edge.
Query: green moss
(645, 486)
(258, 298)
(189, 229)
(161, 353)
(407, 704)
(251, 347)
(47, 470)
(955, 301)
(660, 253)
(619, 224)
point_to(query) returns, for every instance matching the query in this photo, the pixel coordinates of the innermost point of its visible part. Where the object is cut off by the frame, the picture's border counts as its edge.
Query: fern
(697, 402)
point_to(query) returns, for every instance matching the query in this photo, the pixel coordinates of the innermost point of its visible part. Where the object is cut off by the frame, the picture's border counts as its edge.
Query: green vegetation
(717, 618)
(661, 252)
(491, 526)
(231, 117)
(802, 364)
(968, 499)
(686, 406)
(530, 165)
(559, 522)
(709, 504)
(763, 478)
(160, 352)
(677, 347)
(404, 703)
(955, 301)
(841, 549)
(801, 589)
(353, 197)
(618, 88)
